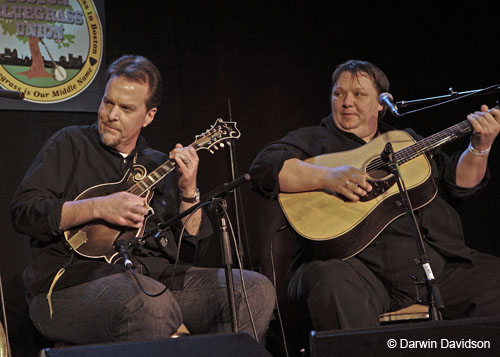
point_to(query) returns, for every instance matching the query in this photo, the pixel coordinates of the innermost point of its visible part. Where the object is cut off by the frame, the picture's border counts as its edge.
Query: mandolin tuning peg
(211, 151)
(216, 147)
(221, 145)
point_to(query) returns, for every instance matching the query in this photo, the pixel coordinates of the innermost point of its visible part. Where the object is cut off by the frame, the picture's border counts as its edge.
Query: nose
(348, 100)
(113, 113)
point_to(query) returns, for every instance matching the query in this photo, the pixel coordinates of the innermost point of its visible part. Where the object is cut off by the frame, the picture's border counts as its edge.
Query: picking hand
(347, 181)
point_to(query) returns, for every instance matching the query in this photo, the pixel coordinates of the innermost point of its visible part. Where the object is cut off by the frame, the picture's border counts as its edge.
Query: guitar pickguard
(379, 187)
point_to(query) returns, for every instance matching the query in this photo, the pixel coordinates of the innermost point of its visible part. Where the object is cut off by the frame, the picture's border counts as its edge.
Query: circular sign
(51, 50)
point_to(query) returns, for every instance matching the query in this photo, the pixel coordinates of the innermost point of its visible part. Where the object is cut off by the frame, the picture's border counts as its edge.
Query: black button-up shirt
(71, 161)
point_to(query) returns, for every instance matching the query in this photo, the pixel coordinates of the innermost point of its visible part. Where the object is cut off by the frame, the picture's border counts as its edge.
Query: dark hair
(140, 69)
(357, 66)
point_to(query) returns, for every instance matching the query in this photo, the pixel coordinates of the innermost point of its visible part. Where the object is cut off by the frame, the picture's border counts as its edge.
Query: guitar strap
(63, 269)
(54, 281)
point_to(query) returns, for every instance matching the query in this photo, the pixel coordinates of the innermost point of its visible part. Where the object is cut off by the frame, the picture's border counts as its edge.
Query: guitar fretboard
(434, 141)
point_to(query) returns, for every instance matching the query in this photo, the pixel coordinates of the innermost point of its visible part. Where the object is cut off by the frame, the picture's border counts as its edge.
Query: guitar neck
(434, 141)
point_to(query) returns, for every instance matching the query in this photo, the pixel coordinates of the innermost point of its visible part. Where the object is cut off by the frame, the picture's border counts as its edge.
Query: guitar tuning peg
(221, 145)
(216, 147)
(211, 151)
(228, 143)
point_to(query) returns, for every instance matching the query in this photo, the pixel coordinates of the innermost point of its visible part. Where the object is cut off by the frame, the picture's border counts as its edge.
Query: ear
(380, 107)
(150, 115)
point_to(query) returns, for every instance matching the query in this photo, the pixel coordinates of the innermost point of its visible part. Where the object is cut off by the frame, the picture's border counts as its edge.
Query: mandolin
(96, 239)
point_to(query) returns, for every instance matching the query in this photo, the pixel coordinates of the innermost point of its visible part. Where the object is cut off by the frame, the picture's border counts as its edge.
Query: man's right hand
(348, 181)
(121, 208)
(300, 176)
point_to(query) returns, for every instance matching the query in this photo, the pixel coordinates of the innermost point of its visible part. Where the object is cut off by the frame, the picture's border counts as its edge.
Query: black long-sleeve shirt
(71, 161)
(438, 220)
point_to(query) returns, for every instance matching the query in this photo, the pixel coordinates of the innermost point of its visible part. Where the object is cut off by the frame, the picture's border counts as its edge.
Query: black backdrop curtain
(272, 61)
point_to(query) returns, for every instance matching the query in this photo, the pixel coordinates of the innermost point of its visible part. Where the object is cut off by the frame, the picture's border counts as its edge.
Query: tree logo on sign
(50, 50)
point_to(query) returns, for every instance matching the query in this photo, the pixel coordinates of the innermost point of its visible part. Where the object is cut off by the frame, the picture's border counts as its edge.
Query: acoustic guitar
(97, 239)
(333, 227)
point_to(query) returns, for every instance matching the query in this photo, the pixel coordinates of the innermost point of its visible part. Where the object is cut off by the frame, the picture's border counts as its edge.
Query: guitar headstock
(218, 134)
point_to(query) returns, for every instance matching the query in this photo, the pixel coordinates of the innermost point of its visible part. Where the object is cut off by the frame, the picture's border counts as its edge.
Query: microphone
(238, 182)
(226, 187)
(387, 153)
(387, 101)
(11, 94)
(121, 248)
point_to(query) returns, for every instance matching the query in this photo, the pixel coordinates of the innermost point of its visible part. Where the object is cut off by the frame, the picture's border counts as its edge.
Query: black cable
(277, 302)
(176, 259)
(243, 288)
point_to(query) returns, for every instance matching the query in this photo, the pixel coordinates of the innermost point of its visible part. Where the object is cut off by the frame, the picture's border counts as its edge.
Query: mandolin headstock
(220, 133)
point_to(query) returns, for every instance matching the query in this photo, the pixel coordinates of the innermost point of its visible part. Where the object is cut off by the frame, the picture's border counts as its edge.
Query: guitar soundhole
(377, 169)
(378, 174)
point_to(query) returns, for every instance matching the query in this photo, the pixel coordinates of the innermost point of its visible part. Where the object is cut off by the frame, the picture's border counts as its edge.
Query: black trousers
(341, 294)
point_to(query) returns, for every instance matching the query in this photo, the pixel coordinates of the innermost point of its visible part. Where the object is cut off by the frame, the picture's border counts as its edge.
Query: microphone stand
(237, 199)
(434, 295)
(11, 94)
(219, 205)
(453, 96)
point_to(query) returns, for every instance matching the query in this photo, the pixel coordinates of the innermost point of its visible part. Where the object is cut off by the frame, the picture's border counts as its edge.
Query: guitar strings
(422, 146)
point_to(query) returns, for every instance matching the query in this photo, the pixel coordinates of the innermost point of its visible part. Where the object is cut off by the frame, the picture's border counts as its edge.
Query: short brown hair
(355, 67)
(141, 69)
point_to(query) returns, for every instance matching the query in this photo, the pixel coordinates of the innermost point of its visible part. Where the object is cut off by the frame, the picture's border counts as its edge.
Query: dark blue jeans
(114, 308)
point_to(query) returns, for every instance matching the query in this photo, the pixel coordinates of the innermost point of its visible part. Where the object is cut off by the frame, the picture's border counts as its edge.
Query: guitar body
(96, 240)
(333, 227)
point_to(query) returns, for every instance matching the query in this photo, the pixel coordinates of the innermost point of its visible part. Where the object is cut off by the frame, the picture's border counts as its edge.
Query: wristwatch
(194, 198)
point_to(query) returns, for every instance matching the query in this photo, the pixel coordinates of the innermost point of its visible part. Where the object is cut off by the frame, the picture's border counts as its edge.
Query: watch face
(194, 198)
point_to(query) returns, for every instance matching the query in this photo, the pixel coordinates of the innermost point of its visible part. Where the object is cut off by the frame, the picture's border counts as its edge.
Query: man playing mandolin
(93, 184)
(351, 287)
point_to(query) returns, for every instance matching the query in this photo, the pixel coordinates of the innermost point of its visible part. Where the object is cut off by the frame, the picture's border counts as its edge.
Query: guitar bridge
(378, 188)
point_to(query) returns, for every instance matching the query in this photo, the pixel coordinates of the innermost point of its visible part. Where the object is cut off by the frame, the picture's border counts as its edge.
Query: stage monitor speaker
(222, 345)
(464, 337)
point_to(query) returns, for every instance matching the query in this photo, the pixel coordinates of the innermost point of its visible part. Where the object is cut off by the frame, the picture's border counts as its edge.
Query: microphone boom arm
(218, 191)
(453, 95)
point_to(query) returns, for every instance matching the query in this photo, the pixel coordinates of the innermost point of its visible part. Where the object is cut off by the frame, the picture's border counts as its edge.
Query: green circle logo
(51, 50)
